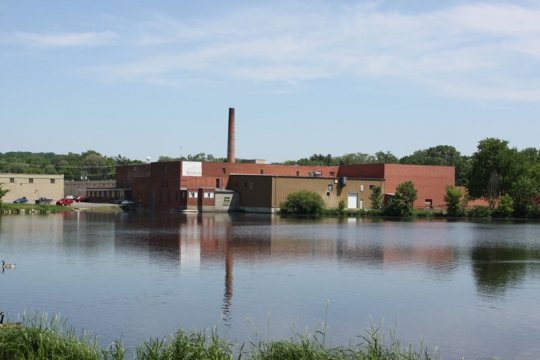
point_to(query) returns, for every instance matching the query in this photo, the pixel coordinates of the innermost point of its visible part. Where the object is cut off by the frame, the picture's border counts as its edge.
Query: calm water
(470, 288)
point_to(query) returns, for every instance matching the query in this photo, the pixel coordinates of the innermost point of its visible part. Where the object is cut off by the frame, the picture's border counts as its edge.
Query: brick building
(256, 186)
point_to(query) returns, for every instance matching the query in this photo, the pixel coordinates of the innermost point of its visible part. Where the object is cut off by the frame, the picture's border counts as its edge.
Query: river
(470, 288)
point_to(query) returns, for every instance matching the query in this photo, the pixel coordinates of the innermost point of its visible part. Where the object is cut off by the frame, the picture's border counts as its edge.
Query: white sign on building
(191, 168)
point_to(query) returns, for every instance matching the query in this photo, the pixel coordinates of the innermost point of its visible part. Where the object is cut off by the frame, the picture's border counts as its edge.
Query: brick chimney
(230, 141)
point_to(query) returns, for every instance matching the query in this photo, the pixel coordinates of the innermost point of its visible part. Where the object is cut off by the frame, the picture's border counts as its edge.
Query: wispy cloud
(478, 50)
(61, 39)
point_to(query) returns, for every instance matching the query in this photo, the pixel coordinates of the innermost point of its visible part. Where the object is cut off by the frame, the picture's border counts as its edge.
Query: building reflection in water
(191, 241)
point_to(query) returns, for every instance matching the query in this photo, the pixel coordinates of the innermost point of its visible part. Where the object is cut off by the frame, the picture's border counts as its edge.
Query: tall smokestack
(230, 145)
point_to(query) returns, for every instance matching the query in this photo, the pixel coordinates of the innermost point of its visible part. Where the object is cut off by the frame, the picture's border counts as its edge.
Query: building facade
(215, 186)
(265, 193)
(430, 181)
(32, 186)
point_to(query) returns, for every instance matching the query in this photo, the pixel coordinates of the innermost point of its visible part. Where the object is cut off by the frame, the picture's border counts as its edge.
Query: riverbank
(41, 338)
(8, 208)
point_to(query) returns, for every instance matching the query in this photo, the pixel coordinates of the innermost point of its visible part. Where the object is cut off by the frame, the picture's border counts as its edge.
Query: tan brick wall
(32, 186)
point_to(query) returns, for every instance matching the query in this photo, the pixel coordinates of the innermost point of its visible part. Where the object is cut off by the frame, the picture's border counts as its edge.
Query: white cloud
(62, 39)
(463, 51)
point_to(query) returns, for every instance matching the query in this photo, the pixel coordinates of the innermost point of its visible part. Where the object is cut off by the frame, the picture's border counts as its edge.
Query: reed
(42, 338)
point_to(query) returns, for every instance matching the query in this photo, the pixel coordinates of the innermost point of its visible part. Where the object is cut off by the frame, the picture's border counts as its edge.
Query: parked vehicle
(22, 200)
(127, 202)
(70, 197)
(43, 200)
(81, 199)
(64, 202)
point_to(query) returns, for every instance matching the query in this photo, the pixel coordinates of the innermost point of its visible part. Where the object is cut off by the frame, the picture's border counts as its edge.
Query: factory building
(260, 187)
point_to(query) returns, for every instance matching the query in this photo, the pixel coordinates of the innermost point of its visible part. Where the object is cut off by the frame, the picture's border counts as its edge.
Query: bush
(480, 212)
(302, 202)
(506, 206)
(404, 198)
(453, 199)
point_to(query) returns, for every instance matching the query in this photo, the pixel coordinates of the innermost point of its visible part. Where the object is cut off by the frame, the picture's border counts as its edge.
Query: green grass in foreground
(41, 338)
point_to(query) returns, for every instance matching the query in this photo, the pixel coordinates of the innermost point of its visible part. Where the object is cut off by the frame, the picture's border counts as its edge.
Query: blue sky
(142, 78)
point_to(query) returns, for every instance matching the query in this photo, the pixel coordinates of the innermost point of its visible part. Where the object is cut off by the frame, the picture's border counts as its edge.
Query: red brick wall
(430, 181)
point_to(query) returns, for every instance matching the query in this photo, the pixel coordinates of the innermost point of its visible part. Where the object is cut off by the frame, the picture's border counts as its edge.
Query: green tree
(494, 168)
(2, 193)
(525, 192)
(377, 198)
(49, 169)
(386, 158)
(506, 206)
(302, 202)
(355, 158)
(403, 200)
(453, 199)
(33, 170)
(441, 155)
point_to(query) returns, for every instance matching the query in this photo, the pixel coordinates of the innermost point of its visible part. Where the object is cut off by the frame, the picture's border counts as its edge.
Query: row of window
(101, 193)
(30, 180)
(207, 195)
(371, 187)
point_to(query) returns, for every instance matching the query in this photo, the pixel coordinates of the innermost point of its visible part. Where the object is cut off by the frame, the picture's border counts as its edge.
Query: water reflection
(184, 270)
(501, 260)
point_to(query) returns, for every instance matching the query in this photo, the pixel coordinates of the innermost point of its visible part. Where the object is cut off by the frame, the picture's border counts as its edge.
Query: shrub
(377, 198)
(480, 212)
(341, 205)
(402, 203)
(506, 206)
(453, 199)
(302, 202)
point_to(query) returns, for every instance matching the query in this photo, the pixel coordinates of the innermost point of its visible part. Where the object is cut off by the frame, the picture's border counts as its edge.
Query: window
(223, 170)
(217, 183)
(193, 195)
(298, 173)
(52, 181)
(361, 187)
(332, 173)
(11, 180)
(330, 187)
(31, 180)
(262, 171)
(371, 187)
(209, 195)
(165, 169)
(135, 168)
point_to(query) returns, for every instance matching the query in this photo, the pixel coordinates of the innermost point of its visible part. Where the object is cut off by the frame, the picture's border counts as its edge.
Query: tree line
(95, 166)
(89, 165)
(507, 178)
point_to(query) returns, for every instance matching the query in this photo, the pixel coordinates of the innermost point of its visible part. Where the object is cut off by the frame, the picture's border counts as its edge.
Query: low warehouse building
(32, 186)
(264, 193)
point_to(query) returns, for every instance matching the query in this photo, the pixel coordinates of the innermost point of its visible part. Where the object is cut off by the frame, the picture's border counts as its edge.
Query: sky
(157, 78)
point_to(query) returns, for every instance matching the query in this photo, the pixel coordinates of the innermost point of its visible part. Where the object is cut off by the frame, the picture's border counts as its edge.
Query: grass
(45, 209)
(29, 208)
(40, 337)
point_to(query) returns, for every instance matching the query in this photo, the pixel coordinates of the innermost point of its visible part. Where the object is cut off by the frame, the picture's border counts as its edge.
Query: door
(352, 201)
